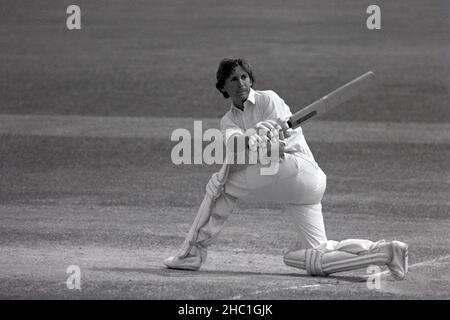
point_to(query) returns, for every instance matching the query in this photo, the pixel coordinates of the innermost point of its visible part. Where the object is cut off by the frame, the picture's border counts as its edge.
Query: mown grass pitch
(116, 208)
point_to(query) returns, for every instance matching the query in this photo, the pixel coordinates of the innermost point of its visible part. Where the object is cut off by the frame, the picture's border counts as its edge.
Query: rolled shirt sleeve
(260, 106)
(229, 128)
(278, 109)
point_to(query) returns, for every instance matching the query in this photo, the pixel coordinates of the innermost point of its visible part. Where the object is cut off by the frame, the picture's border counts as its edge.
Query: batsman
(259, 121)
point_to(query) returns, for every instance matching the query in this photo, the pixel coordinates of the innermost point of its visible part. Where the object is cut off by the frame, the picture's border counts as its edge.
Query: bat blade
(331, 100)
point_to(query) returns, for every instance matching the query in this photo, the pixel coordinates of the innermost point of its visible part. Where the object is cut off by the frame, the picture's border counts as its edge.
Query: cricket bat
(331, 100)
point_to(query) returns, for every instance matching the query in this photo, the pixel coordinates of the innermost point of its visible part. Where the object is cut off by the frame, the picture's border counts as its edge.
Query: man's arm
(244, 147)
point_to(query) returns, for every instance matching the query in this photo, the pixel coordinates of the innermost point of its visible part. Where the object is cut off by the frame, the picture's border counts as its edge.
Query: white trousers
(299, 184)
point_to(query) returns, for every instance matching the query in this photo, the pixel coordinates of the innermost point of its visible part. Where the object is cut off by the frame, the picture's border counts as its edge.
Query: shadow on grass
(164, 272)
(169, 273)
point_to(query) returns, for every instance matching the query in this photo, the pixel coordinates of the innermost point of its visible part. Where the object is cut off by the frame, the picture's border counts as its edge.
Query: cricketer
(299, 184)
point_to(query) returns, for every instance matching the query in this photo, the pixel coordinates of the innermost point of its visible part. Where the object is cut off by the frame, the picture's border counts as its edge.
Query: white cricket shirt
(260, 106)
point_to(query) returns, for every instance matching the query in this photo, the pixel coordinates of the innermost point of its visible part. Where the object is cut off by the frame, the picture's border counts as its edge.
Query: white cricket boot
(192, 261)
(399, 260)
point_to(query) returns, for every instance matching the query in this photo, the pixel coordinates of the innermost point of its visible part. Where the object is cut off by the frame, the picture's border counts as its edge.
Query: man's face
(238, 86)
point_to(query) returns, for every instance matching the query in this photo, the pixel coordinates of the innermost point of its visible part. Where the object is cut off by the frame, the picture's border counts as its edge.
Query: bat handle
(285, 125)
(288, 124)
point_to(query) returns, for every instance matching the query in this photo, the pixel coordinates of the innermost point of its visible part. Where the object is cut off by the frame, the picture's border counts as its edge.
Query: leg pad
(320, 262)
(306, 259)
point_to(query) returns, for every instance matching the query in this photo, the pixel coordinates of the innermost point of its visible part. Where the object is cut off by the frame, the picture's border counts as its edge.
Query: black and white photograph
(224, 150)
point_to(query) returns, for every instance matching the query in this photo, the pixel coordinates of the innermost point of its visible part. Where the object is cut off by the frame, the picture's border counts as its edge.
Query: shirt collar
(250, 99)
(251, 96)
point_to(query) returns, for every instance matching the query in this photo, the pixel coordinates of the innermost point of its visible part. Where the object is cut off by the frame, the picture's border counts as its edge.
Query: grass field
(158, 58)
(85, 122)
(116, 208)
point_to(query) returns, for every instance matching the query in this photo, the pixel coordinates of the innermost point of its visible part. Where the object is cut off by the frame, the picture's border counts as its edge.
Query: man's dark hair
(226, 67)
